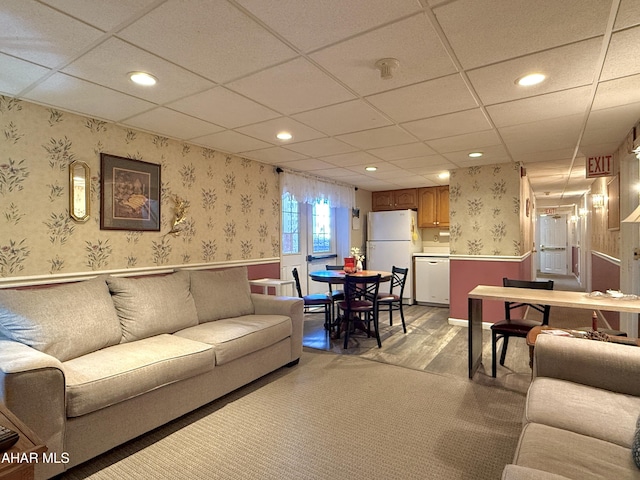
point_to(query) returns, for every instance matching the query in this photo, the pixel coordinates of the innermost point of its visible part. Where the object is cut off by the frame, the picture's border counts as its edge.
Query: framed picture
(613, 204)
(129, 194)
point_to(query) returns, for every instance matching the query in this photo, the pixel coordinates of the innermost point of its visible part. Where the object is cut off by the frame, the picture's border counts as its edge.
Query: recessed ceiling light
(475, 154)
(143, 78)
(371, 169)
(284, 136)
(443, 175)
(531, 79)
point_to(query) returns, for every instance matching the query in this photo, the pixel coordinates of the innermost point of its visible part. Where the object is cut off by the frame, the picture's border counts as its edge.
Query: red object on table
(349, 264)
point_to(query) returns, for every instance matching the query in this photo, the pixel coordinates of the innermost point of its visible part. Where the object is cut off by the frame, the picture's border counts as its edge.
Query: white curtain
(306, 189)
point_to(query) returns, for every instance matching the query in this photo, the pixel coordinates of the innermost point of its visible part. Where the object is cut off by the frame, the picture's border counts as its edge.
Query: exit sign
(600, 166)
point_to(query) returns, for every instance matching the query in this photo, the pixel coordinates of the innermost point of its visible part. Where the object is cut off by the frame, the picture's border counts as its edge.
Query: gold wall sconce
(79, 191)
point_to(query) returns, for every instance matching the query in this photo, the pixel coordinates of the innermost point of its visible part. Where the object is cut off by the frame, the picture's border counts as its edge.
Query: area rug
(330, 417)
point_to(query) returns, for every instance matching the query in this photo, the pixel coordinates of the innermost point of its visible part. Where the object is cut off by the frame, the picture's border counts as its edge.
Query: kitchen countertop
(431, 254)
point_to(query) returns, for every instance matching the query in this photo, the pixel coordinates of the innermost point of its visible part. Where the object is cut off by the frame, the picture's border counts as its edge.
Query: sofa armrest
(291, 307)
(604, 365)
(32, 386)
(516, 472)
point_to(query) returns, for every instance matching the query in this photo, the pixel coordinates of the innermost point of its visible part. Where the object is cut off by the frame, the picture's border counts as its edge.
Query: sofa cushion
(221, 293)
(124, 371)
(516, 472)
(583, 409)
(63, 321)
(153, 305)
(235, 337)
(573, 455)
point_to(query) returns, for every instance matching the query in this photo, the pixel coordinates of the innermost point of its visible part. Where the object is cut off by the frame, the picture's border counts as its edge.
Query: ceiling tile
(377, 137)
(223, 107)
(426, 99)
(469, 142)
(554, 134)
(42, 35)
(481, 34)
(298, 21)
(431, 163)
(336, 173)
(171, 124)
(610, 123)
(109, 63)
(292, 87)
(104, 15)
(397, 152)
(352, 116)
(542, 107)
(16, 75)
(308, 165)
(273, 155)
(449, 125)
(351, 159)
(206, 43)
(623, 56)
(410, 41)
(267, 130)
(556, 157)
(565, 67)
(492, 154)
(321, 147)
(628, 14)
(230, 141)
(615, 93)
(86, 98)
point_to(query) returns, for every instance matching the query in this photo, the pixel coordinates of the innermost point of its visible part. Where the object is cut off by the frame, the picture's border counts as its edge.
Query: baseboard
(459, 322)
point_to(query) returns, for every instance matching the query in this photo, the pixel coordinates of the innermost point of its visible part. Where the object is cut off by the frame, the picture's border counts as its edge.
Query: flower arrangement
(357, 254)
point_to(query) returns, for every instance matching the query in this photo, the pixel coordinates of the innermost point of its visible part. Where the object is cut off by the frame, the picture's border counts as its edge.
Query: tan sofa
(93, 364)
(581, 412)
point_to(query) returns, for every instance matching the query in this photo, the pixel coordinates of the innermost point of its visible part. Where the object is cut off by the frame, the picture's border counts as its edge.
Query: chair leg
(494, 368)
(404, 326)
(376, 328)
(391, 314)
(347, 328)
(505, 343)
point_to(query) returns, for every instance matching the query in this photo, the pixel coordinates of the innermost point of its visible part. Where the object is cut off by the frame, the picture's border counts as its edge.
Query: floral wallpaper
(485, 210)
(232, 204)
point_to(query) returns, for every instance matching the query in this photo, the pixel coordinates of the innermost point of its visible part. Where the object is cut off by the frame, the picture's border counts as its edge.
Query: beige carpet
(331, 417)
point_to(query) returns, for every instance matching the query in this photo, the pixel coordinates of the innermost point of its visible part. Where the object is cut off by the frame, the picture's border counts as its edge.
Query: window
(321, 227)
(290, 225)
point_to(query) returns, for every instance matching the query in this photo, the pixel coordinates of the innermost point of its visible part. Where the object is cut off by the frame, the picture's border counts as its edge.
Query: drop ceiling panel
(469, 142)
(171, 124)
(480, 34)
(17, 74)
(321, 147)
(610, 123)
(431, 163)
(449, 125)
(109, 63)
(308, 165)
(555, 156)
(628, 14)
(410, 41)
(103, 15)
(350, 159)
(426, 99)
(42, 35)
(267, 131)
(542, 107)
(616, 93)
(230, 141)
(273, 155)
(298, 21)
(205, 44)
(344, 117)
(86, 98)
(566, 67)
(491, 154)
(223, 107)
(377, 137)
(402, 151)
(554, 134)
(623, 57)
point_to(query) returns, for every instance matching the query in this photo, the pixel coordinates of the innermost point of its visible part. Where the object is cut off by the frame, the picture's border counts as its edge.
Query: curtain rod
(313, 177)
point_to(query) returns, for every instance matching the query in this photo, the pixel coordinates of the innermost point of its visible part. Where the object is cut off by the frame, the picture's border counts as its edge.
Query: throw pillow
(65, 321)
(221, 293)
(152, 305)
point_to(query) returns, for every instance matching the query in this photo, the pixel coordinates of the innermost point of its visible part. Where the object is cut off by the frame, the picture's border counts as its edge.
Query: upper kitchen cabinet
(433, 207)
(395, 200)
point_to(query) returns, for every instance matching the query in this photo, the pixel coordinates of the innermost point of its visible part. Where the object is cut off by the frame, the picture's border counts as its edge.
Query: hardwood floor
(430, 344)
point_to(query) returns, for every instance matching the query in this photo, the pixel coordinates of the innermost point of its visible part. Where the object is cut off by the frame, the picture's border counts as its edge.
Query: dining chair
(336, 294)
(360, 304)
(510, 327)
(393, 301)
(314, 300)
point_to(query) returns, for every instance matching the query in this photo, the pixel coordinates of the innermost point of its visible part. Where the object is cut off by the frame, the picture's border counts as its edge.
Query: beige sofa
(581, 412)
(93, 364)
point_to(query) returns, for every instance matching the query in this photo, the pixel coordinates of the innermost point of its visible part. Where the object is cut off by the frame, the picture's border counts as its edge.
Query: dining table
(337, 277)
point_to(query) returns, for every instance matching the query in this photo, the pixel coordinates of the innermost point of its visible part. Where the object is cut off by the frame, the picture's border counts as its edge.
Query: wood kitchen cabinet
(433, 207)
(404, 199)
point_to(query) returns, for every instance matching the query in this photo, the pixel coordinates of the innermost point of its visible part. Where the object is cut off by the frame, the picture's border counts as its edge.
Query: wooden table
(27, 447)
(337, 276)
(555, 298)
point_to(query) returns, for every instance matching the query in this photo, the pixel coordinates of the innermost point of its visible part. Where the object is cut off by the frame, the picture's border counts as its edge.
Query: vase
(359, 266)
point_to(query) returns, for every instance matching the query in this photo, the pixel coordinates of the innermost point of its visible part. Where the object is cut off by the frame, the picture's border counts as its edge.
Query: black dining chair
(392, 301)
(510, 327)
(360, 304)
(336, 294)
(314, 300)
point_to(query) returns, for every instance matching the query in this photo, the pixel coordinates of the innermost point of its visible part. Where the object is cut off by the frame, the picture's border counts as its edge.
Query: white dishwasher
(432, 280)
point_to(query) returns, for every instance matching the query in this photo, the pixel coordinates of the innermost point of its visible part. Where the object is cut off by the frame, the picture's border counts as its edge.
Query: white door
(553, 244)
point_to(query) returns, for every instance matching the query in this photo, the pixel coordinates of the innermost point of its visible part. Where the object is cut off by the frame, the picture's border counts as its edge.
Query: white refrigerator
(392, 239)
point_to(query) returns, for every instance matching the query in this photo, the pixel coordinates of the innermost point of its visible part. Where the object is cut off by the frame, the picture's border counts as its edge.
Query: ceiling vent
(386, 67)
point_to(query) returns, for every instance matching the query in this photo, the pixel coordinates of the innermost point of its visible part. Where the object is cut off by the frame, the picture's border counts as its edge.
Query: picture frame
(613, 204)
(129, 194)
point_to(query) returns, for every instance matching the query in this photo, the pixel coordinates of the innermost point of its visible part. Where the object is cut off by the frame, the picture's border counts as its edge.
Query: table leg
(475, 335)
